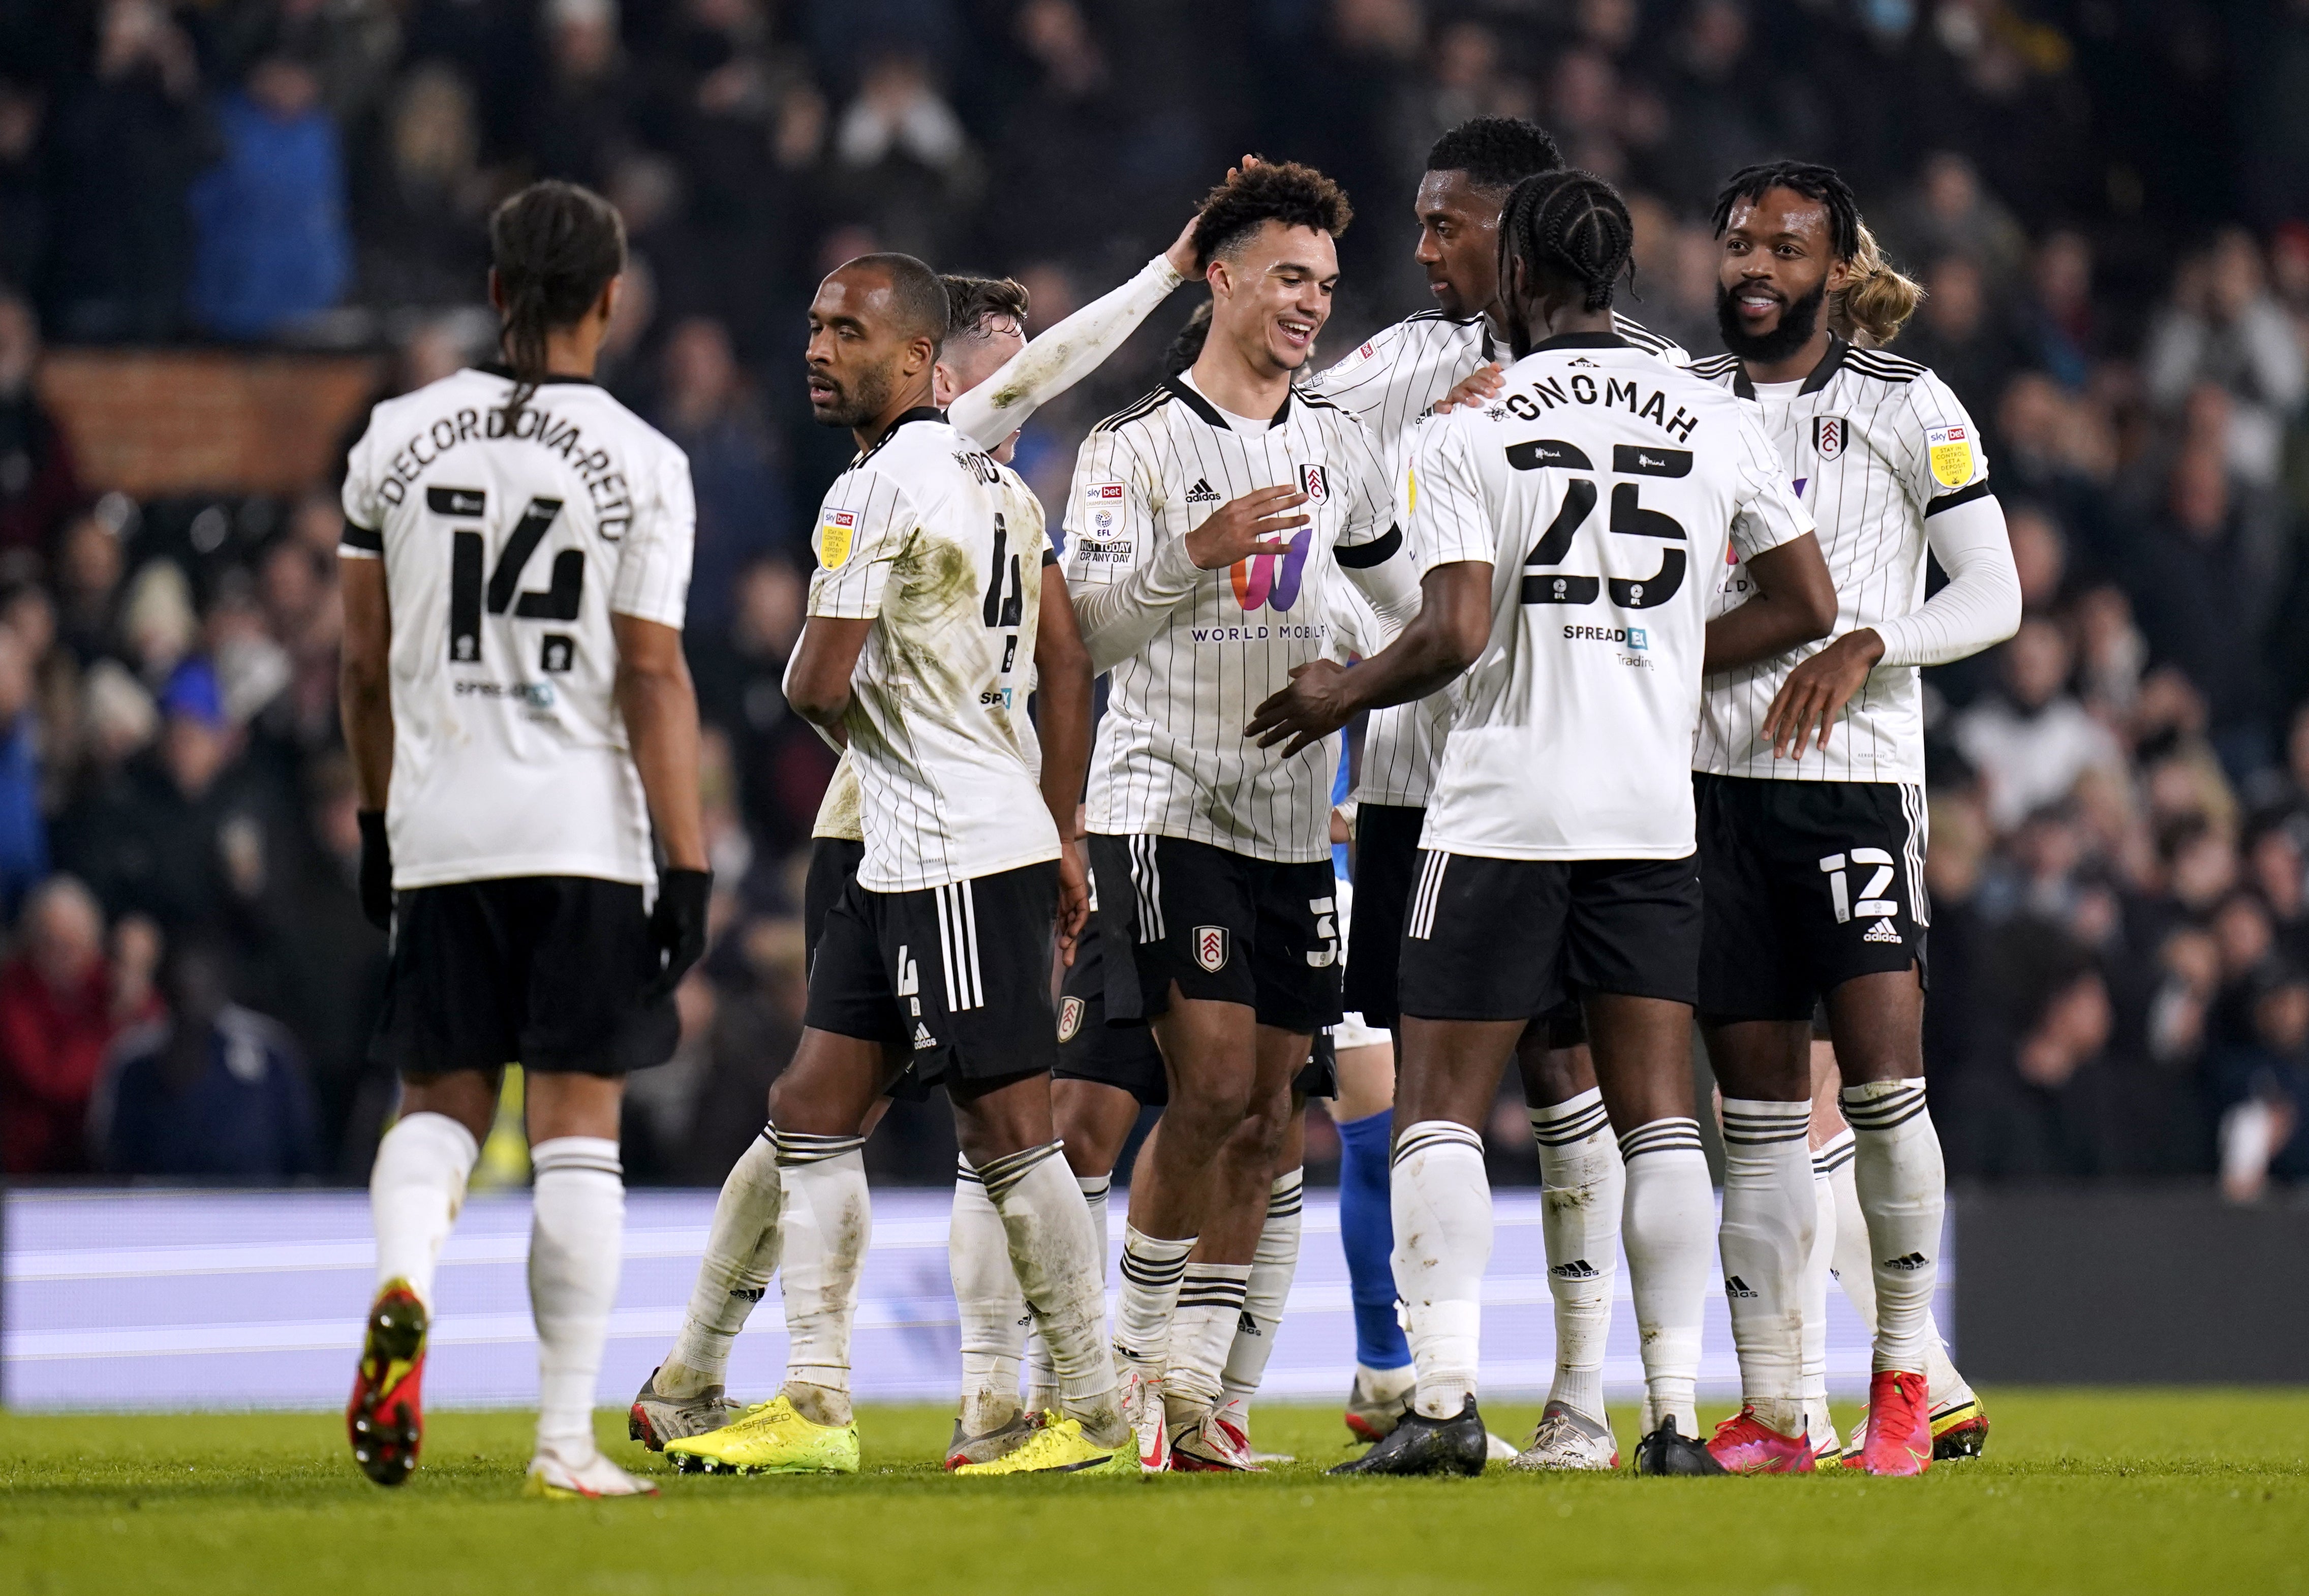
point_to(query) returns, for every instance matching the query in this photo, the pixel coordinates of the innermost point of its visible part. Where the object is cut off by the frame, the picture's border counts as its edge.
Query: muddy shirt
(942, 549)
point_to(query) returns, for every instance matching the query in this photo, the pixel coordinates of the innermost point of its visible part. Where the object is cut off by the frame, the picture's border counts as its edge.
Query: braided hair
(554, 247)
(1808, 178)
(1569, 226)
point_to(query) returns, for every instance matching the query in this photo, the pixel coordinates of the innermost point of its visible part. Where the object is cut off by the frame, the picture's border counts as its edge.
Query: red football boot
(1899, 1432)
(386, 1416)
(1745, 1445)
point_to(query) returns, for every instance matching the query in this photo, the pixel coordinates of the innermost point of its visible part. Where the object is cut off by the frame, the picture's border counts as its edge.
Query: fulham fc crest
(1827, 437)
(1070, 1013)
(1211, 941)
(1314, 484)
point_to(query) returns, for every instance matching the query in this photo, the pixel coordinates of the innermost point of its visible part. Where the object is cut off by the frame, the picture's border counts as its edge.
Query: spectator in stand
(2056, 321)
(2205, 586)
(23, 829)
(2224, 327)
(2032, 740)
(123, 143)
(425, 199)
(581, 122)
(783, 767)
(184, 836)
(1959, 337)
(211, 1090)
(907, 168)
(2259, 1089)
(24, 233)
(38, 486)
(1951, 214)
(2050, 1107)
(709, 412)
(273, 248)
(62, 1004)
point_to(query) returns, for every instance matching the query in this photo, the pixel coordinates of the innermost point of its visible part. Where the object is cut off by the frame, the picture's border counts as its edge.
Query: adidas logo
(1914, 1260)
(922, 1037)
(1202, 492)
(1247, 1325)
(1881, 931)
(1578, 1269)
(750, 1293)
(1734, 1286)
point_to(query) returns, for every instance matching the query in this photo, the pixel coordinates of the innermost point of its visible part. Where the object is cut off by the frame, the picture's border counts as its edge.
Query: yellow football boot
(1060, 1447)
(769, 1439)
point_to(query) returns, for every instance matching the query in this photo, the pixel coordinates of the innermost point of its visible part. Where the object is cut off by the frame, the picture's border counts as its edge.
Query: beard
(1799, 320)
(855, 406)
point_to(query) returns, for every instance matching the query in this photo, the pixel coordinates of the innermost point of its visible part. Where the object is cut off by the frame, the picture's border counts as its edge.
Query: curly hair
(1496, 152)
(1813, 181)
(1293, 194)
(973, 302)
(1879, 299)
(1568, 226)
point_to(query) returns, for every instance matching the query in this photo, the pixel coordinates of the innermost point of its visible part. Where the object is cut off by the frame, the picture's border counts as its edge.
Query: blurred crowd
(2107, 200)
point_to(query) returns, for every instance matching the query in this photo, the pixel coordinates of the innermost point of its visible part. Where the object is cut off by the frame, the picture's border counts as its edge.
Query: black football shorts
(1810, 883)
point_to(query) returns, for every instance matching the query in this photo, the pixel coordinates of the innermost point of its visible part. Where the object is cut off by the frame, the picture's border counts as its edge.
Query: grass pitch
(2083, 1490)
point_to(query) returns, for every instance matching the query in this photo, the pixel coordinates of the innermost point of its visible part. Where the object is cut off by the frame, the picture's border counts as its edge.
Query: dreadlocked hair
(974, 303)
(1568, 226)
(1813, 181)
(1286, 192)
(1878, 300)
(554, 247)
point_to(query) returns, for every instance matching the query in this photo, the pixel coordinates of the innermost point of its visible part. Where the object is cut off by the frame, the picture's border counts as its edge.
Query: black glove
(677, 929)
(375, 870)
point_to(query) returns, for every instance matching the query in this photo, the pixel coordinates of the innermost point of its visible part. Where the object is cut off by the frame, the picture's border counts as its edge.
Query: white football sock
(1851, 1270)
(1152, 1268)
(1054, 1253)
(1824, 1163)
(576, 1235)
(1668, 1229)
(1042, 1379)
(1440, 1199)
(827, 1225)
(1771, 1217)
(1902, 1189)
(1202, 1330)
(992, 1309)
(1584, 1187)
(741, 1255)
(415, 1189)
(1272, 1270)
(1848, 1264)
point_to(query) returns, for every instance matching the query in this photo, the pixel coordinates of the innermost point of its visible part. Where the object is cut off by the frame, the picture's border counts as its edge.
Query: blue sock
(1367, 1233)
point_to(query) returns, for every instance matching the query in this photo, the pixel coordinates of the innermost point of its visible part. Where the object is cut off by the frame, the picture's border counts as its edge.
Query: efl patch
(1314, 484)
(1827, 438)
(1951, 449)
(835, 538)
(1211, 947)
(1070, 1013)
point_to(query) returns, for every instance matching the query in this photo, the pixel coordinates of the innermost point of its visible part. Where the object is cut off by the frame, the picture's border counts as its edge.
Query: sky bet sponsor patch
(834, 536)
(1951, 449)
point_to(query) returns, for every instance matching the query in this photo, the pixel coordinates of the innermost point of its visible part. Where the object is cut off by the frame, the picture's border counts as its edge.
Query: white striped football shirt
(507, 549)
(1872, 444)
(941, 548)
(1603, 487)
(1193, 653)
(1389, 384)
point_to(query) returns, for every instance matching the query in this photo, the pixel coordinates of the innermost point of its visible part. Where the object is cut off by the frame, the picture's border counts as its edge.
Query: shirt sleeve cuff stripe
(1949, 501)
(360, 540)
(1361, 557)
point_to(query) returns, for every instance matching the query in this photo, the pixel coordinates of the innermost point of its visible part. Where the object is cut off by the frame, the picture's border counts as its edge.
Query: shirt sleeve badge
(835, 535)
(1951, 455)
